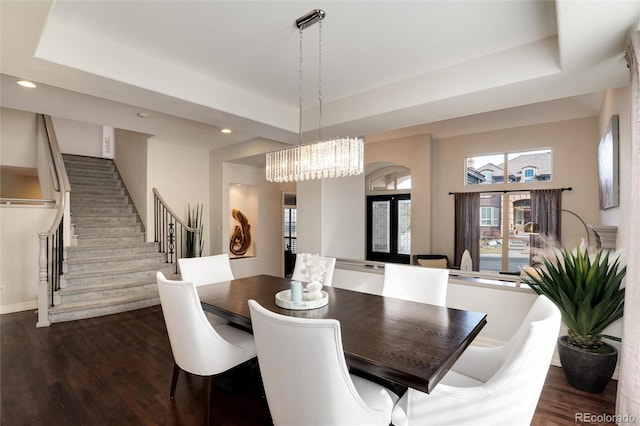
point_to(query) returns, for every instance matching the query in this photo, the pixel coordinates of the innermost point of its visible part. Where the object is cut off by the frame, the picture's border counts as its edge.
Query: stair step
(103, 209)
(106, 291)
(75, 161)
(91, 200)
(111, 276)
(82, 189)
(87, 251)
(75, 174)
(85, 159)
(101, 240)
(113, 262)
(105, 219)
(95, 180)
(81, 166)
(103, 229)
(101, 307)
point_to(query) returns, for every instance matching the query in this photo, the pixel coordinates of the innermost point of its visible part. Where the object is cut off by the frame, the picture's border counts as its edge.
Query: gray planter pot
(585, 370)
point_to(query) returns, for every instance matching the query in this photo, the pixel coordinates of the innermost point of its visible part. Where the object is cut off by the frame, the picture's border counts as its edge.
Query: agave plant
(585, 288)
(194, 220)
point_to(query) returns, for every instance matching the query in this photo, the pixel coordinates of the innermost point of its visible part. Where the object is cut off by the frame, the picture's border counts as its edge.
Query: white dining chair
(416, 283)
(305, 374)
(491, 385)
(327, 280)
(198, 347)
(207, 270)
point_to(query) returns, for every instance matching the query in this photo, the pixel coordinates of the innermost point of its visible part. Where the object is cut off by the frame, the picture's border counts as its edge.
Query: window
(528, 174)
(489, 216)
(389, 179)
(510, 167)
(503, 245)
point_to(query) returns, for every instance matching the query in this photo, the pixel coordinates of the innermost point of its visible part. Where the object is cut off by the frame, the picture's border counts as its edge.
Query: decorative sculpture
(241, 237)
(313, 268)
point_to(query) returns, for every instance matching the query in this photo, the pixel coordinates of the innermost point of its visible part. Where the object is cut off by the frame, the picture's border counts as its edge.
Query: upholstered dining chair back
(491, 385)
(197, 346)
(305, 375)
(206, 270)
(416, 283)
(330, 263)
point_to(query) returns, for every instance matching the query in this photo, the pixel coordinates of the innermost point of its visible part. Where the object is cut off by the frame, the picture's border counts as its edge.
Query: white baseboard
(18, 307)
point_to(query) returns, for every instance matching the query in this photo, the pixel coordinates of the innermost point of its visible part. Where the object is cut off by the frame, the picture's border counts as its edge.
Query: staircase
(109, 267)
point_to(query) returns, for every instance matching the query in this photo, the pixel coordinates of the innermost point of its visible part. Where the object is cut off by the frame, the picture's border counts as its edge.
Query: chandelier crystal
(320, 160)
(323, 159)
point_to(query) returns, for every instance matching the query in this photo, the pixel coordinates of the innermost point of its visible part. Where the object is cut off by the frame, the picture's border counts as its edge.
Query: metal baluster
(171, 240)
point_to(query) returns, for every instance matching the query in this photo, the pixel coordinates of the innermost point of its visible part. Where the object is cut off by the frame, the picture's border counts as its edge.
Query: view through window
(290, 234)
(503, 244)
(510, 167)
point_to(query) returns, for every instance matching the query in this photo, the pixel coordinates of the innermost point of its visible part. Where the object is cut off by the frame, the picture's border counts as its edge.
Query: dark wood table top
(410, 344)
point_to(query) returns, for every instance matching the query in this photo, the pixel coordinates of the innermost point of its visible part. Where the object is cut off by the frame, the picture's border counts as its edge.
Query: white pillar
(43, 284)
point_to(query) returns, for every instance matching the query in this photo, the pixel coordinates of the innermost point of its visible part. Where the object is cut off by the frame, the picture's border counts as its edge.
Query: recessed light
(226, 131)
(25, 83)
(142, 115)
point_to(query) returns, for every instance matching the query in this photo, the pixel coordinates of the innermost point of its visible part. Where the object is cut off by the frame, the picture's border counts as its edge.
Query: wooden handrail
(171, 212)
(169, 230)
(52, 243)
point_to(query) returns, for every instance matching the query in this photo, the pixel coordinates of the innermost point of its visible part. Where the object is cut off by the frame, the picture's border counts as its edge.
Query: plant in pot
(586, 289)
(195, 241)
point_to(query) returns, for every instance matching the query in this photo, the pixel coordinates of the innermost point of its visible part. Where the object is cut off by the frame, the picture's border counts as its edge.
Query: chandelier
(324, 158)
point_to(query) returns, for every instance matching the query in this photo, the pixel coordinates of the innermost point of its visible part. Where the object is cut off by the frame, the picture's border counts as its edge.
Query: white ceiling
(387, 65)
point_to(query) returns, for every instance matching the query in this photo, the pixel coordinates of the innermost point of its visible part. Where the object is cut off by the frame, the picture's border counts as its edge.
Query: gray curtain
(628, 400)
(546, 205)
(467, 227)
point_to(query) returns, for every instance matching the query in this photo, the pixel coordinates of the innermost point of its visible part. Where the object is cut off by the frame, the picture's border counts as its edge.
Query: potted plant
(586, 289)
(195, 240)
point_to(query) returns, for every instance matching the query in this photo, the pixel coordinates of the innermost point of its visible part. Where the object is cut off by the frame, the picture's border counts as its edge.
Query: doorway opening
(290, 237)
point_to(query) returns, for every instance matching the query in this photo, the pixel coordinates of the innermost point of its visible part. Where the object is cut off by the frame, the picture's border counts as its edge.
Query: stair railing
(52, 242)
(170, 231)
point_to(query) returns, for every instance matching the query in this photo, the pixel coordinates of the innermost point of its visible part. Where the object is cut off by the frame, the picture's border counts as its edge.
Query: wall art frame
(608, 174)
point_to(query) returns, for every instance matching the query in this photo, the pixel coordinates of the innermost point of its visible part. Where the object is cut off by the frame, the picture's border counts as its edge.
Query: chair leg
(174, 380)
(208, 393)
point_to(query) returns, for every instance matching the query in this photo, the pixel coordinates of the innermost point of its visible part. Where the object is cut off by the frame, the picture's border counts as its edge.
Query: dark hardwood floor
(116, 370)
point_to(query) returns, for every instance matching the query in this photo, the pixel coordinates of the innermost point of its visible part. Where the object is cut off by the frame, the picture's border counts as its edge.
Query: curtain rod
(504, 191)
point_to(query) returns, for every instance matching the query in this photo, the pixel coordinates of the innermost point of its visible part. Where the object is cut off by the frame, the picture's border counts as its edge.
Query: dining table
(409, 344)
